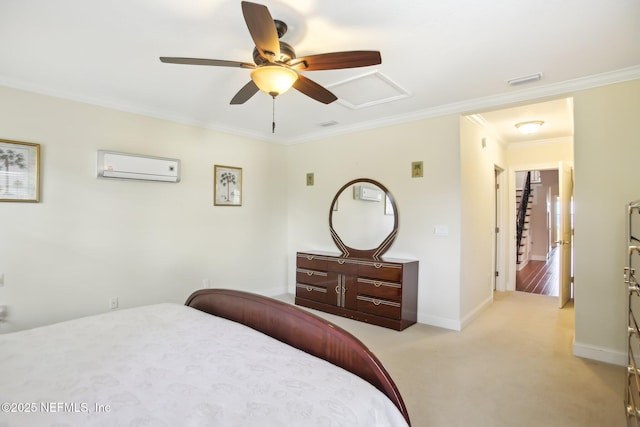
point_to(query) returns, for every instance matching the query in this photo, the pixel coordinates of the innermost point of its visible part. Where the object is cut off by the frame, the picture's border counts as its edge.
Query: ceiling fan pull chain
(273, 115)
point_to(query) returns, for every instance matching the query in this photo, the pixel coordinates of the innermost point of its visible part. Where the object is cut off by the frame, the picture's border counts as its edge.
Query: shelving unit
(632, 393)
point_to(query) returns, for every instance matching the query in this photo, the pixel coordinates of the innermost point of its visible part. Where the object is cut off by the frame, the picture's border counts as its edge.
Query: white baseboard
(601, 354)
(454, 324)
(440, 322)
(466, 320)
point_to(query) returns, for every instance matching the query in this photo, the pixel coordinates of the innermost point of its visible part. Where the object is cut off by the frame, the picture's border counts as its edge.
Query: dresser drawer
(313, 262)
(342, 266)
(315, 293)
(379, 307)
(312, 277)
(380, 289)
(381, 271)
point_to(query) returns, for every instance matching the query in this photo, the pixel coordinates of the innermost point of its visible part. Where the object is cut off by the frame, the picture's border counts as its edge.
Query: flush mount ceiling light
(274, 79)
(530, 127)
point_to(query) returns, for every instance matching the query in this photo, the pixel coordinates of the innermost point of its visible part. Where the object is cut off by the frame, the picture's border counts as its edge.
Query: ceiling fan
(276, 67)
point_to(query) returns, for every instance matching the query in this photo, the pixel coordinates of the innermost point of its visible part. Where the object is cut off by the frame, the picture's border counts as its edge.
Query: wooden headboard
(300, 329)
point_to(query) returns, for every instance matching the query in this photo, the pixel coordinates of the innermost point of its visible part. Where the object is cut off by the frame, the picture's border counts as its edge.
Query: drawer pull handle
(309, 257)
(338, 289)
(377, 265)
(376, 302)
(309, 273)
(377, 284)
(340, 261)
(309, 288)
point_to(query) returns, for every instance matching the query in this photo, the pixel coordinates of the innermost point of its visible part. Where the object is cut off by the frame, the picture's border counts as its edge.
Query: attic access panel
(366, 90)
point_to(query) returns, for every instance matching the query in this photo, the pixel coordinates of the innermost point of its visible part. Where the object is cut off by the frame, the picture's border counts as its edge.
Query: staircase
(523, 210)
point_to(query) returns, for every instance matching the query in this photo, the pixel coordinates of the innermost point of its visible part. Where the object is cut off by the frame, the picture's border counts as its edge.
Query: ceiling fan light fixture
(274, 79)
(530, 127)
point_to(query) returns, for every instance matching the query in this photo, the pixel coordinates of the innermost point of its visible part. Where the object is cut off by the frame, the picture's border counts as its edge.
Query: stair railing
(522, 213)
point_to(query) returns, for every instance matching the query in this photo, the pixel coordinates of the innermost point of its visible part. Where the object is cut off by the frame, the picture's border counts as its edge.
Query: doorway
(537, 257)
(551, 148)
(498, 241)
(543, 264)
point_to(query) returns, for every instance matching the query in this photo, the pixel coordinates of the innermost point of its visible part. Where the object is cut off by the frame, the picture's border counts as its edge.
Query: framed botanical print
(227, 186)
(417, 170)
(19, 171)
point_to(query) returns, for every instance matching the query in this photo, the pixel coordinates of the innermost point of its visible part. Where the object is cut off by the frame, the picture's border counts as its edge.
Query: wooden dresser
(383, 293)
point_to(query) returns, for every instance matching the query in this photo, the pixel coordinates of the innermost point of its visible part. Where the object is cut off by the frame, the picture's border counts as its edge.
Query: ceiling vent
(367, 90)
(327, 124)
(524, 79)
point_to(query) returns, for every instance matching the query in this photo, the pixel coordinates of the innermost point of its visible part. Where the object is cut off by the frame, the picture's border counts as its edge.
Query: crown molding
(475, 105)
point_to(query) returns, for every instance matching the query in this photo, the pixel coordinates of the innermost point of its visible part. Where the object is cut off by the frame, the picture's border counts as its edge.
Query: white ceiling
(443, 57)
(556, 115)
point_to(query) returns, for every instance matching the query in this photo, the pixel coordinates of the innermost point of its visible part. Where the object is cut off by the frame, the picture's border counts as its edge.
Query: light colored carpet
(513, 366)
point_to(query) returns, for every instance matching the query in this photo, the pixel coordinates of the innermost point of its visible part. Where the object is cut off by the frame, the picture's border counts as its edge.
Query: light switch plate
(441, 230)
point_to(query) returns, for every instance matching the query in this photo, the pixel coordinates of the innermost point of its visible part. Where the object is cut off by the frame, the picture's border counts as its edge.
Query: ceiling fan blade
(314, 90)
(262, 30)
(212, 62)
(337, 60)
(245, 93)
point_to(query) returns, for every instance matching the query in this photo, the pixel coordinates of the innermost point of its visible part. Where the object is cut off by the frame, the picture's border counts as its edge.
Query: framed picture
(19, 171)
(227, 186)
(417, 169)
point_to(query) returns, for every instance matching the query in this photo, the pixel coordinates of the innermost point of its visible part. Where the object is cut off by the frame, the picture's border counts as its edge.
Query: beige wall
(143, 242)
(542, 154)
(480, 154)
(607, 149)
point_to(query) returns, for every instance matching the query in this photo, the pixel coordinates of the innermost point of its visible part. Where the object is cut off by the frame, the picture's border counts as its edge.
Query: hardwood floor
(540, 277)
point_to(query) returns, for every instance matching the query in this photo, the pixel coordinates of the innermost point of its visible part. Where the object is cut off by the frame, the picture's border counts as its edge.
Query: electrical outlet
(206, 283)
(113, 303)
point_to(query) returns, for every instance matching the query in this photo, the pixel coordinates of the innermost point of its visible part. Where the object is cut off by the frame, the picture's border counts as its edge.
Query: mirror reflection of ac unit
(360, 192)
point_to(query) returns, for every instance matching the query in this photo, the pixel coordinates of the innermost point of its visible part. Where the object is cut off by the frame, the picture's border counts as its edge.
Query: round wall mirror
(363, 219)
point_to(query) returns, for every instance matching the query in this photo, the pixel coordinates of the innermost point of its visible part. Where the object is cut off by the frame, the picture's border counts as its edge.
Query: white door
(565, 183)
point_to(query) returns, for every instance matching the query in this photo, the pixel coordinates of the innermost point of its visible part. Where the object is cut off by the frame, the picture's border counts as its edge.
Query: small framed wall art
(417, 170)
(227, 186)
(19, 171)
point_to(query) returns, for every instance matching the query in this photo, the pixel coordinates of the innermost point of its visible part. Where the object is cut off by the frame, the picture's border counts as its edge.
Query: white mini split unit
(112, 164)
(360, 192)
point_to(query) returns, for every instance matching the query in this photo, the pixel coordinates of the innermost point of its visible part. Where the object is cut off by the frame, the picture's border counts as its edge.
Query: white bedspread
(171, 365)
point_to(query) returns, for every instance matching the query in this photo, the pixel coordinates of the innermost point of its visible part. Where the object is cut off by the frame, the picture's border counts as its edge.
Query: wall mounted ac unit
(361, 192)
(112, 164)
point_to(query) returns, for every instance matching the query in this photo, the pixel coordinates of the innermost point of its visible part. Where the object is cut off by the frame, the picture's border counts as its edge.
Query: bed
(218, 360)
